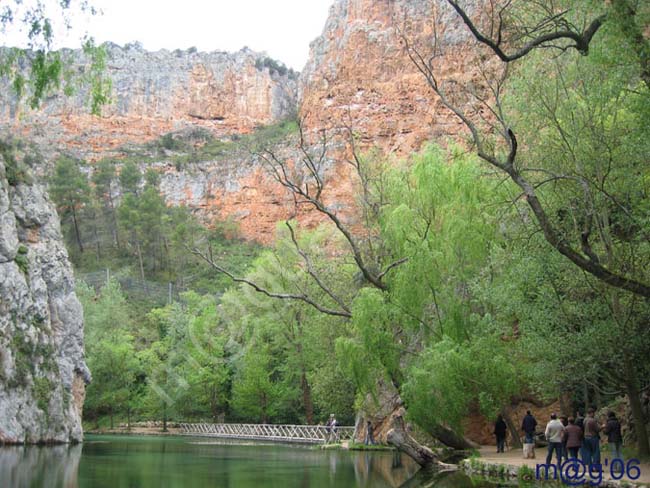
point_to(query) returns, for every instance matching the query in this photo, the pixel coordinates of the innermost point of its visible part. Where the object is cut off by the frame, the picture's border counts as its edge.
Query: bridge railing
(273, 432)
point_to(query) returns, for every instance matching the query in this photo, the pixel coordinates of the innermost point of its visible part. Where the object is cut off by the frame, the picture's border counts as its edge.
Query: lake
(184, 462)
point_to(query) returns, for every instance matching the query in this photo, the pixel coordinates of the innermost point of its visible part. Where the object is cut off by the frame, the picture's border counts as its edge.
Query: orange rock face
(359, 76)
(154, 93)
(359, 73)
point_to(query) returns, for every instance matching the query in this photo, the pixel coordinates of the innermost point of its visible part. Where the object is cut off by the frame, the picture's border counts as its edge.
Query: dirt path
(514, 457)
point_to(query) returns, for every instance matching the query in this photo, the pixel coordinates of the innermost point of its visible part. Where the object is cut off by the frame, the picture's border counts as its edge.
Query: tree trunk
(116, 235)
(514, 432)
(139, 250)
(449, 438)
(306, 398)
(110, 413)
(637, 411)
(263, 404)
(422, 455)
(128, 418)
(598, 401)
(98, 246)
(76, 229)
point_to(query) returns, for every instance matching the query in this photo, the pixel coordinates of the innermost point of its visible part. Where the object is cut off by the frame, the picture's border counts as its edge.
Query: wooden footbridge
(316, 434)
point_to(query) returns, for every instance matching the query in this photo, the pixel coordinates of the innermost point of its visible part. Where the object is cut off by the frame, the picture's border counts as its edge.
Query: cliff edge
(42, 368)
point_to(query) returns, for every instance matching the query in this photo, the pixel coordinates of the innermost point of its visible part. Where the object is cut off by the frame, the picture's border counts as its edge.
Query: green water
(175, 462)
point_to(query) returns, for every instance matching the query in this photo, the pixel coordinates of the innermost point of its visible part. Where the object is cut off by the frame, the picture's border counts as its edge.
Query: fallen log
(402, 440)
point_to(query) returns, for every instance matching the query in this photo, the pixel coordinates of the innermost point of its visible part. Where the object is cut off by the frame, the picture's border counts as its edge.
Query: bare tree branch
(312, 272)
(283, 296)
(279, 171)
(391, 266)
(551, 234)
(581, 40)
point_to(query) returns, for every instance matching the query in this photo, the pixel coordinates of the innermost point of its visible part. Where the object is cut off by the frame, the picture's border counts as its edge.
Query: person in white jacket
(553, 433)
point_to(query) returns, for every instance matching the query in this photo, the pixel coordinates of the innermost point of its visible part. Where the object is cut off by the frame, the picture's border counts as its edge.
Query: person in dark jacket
(573, 438)
(580, 422)
(614, 437)
(500, 429)
(528, 425)
(591, 442)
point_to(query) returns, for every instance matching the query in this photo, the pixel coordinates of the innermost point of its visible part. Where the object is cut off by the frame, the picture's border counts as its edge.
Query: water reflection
(40, 466)
(451, 479)
(181, 462)
(391, 469)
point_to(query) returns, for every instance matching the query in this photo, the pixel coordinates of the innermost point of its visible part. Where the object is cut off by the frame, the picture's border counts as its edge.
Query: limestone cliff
(42, 368)
(359, 73)
(154, 93)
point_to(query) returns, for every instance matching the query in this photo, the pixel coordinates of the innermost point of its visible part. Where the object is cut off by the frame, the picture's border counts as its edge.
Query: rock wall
(359, 73)
(234, 187)
(42, 368)
(154, 93)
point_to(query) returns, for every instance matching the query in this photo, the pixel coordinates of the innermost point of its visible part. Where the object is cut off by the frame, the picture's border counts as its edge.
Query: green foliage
(449, 378)
(194, 146)
(15, 162)
(169, 142)
(43, 388)
(70, 191)
(103, 176)
(37, 71)
(110, 351)
(526, 475)
(46, 71)
(130, 178)
(22, 351)
(274, 67)
(255, 394)
(22, 260)
(95, 77)
(69, 185)
(440, 217)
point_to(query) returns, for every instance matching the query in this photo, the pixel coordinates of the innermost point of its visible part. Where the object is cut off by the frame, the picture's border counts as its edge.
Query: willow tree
(402, 287)
(567, 96)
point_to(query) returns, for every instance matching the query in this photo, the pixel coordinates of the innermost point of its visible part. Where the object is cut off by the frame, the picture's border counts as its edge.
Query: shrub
(22, 260)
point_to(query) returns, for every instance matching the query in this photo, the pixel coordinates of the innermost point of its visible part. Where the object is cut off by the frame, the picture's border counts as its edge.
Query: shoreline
(512, 466)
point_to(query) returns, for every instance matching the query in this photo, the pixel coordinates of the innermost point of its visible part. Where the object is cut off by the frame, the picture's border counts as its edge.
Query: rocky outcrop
(234, 187)
(42, 368)
(360, 75)
(154, 93)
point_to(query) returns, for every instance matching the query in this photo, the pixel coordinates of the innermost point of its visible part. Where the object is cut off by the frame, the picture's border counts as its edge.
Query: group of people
(568, 437)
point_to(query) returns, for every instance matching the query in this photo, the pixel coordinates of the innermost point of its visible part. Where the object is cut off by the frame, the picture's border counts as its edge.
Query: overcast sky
(282, 28)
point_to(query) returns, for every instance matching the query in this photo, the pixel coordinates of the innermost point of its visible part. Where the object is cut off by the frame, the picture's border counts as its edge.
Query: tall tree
(103, 178)
(544, 26)
(70, 190)
(570, 132)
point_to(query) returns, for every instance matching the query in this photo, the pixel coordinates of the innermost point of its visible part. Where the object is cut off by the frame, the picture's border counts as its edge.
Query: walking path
(514, 457)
